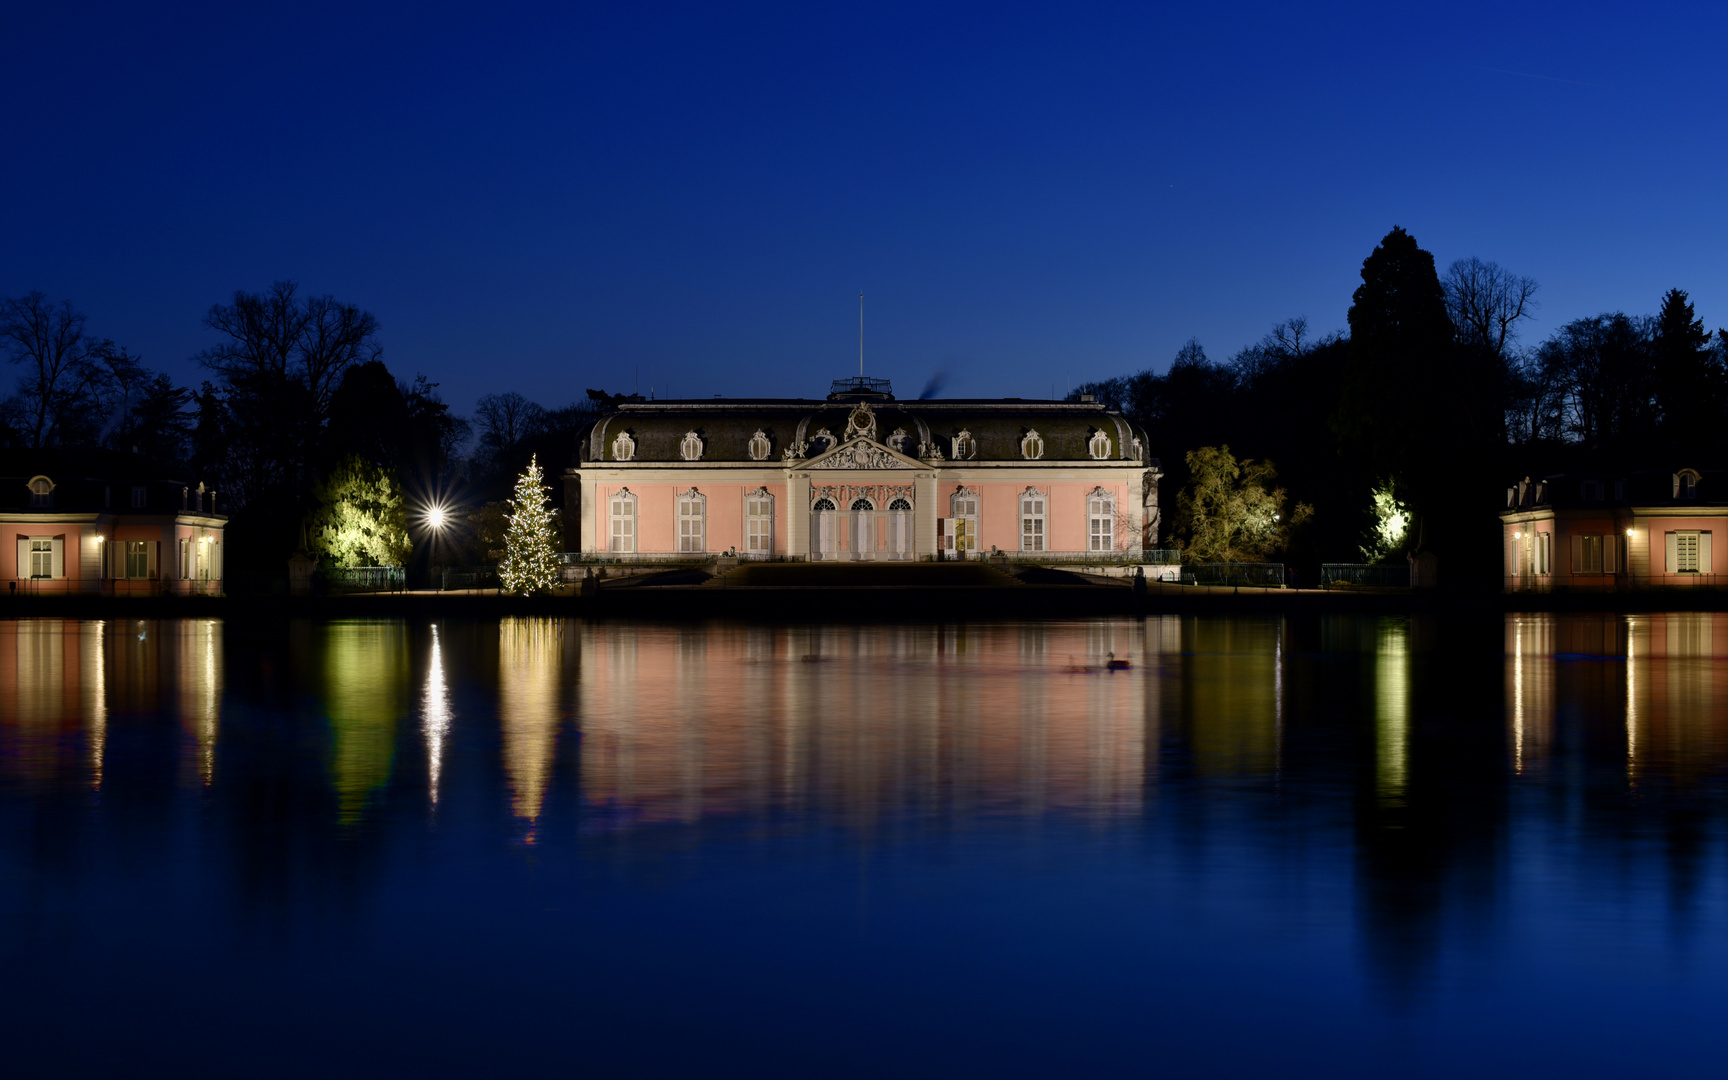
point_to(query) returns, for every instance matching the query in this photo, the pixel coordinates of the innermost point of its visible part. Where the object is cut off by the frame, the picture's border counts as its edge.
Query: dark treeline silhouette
(1431, 398)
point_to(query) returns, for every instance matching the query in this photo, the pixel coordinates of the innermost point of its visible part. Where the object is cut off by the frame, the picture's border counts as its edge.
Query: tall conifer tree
(530, 552)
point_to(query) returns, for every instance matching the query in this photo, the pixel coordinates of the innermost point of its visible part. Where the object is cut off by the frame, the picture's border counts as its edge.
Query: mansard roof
(997, 425)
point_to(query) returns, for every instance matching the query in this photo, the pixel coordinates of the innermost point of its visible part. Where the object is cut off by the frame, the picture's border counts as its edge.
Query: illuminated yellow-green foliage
(530, 551)
(1231, 511)
(358, 517)
(1391, 527)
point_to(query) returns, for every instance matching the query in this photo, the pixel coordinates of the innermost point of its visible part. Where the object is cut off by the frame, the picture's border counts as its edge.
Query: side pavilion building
(859, 476)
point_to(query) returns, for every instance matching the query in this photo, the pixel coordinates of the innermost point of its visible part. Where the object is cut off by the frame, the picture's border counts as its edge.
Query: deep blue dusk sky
(543, 198)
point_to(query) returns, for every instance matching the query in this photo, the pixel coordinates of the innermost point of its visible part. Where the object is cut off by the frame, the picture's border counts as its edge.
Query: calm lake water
(1362, 845)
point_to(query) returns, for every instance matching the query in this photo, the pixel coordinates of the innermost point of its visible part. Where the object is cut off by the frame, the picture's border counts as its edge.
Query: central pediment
(862, 454)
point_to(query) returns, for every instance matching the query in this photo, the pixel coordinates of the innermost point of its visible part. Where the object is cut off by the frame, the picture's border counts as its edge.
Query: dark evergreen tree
(1689, 377)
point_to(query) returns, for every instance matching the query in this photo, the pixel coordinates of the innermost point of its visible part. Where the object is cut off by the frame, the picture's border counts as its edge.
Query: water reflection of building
(1660, 676)
(61, 681)
(864, 722)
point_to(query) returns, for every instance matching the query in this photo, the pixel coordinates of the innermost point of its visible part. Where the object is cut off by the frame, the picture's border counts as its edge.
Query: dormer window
(1032, 446)
(965, 446)
(41, 491)
(1591, 491)
(623, 447)
(759, 446)
(140, 496)
(690, 447)
(1686, 484)
(898, 440)
(1099, 446)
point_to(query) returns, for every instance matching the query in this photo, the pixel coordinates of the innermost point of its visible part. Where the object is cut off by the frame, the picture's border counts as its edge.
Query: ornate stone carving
(898, 440)
(690, 447)
(861, 424)
(1032, 446)
(623, 447)
(796, 451)
(861, 455)
(759, 446)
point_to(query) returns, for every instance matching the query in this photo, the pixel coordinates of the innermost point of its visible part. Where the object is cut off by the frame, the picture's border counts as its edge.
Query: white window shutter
(1704, 553)
(23, 568)
(1578, 553)
(1608, 553)
(59, 557)
(1673, 564)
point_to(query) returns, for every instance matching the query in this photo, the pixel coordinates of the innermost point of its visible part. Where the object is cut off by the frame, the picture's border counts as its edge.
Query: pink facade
(1634, 531)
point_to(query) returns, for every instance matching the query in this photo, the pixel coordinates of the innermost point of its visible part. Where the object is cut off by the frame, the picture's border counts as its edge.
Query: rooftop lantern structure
(861, 388)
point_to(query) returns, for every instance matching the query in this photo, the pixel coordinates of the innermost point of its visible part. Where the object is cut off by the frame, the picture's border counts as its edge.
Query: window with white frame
(1686, 484)
(1099, 446)
(623, 447)
(692, 521)
(41, 557)
(1689, 552)
(690, 447)
(759, 522)
(1100, 521)
(621, 518)
(759, 446)
(1032, 446)
(137, 558)
(1032, 521)
(963, 507)
(965, 446)
(41, 491)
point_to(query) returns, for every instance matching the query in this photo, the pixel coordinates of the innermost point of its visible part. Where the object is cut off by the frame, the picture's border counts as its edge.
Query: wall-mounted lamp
(1517, 536)
(1628, 533)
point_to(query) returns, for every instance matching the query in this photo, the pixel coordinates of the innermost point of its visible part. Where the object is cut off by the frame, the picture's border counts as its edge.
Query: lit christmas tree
(530, 564)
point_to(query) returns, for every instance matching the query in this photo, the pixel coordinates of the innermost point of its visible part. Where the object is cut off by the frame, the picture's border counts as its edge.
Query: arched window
(963, 528)
(1686, 484)
(1100, 521)
(692, 521)
(861, 506)
(822, 528)
(623, 447)
(759, 522)
(965, 446)
(41, 491)
(825, 438)
(898, 440)
(1032, 504)
(1032, 446)
(1099, 447)
(900, 529)
(822, 505)
(690, 447)
(759, 446)
(621, 518)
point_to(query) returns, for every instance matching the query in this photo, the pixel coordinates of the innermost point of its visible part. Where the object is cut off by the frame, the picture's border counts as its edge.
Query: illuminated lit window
(963, 508)
(1100, 521)
(622, 518)
(692, 521)
(759, 522)
(1099, 446)
(41, 557)
(137, 558)
(1032, 521)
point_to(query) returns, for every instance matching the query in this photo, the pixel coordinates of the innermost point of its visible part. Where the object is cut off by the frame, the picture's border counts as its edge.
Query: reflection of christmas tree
(530, 554)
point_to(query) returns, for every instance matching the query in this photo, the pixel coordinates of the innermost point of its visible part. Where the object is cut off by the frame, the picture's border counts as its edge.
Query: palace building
(861, 476)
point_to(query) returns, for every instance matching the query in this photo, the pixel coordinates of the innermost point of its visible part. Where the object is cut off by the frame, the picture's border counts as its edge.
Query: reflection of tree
(365, 694)
(529, 654)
